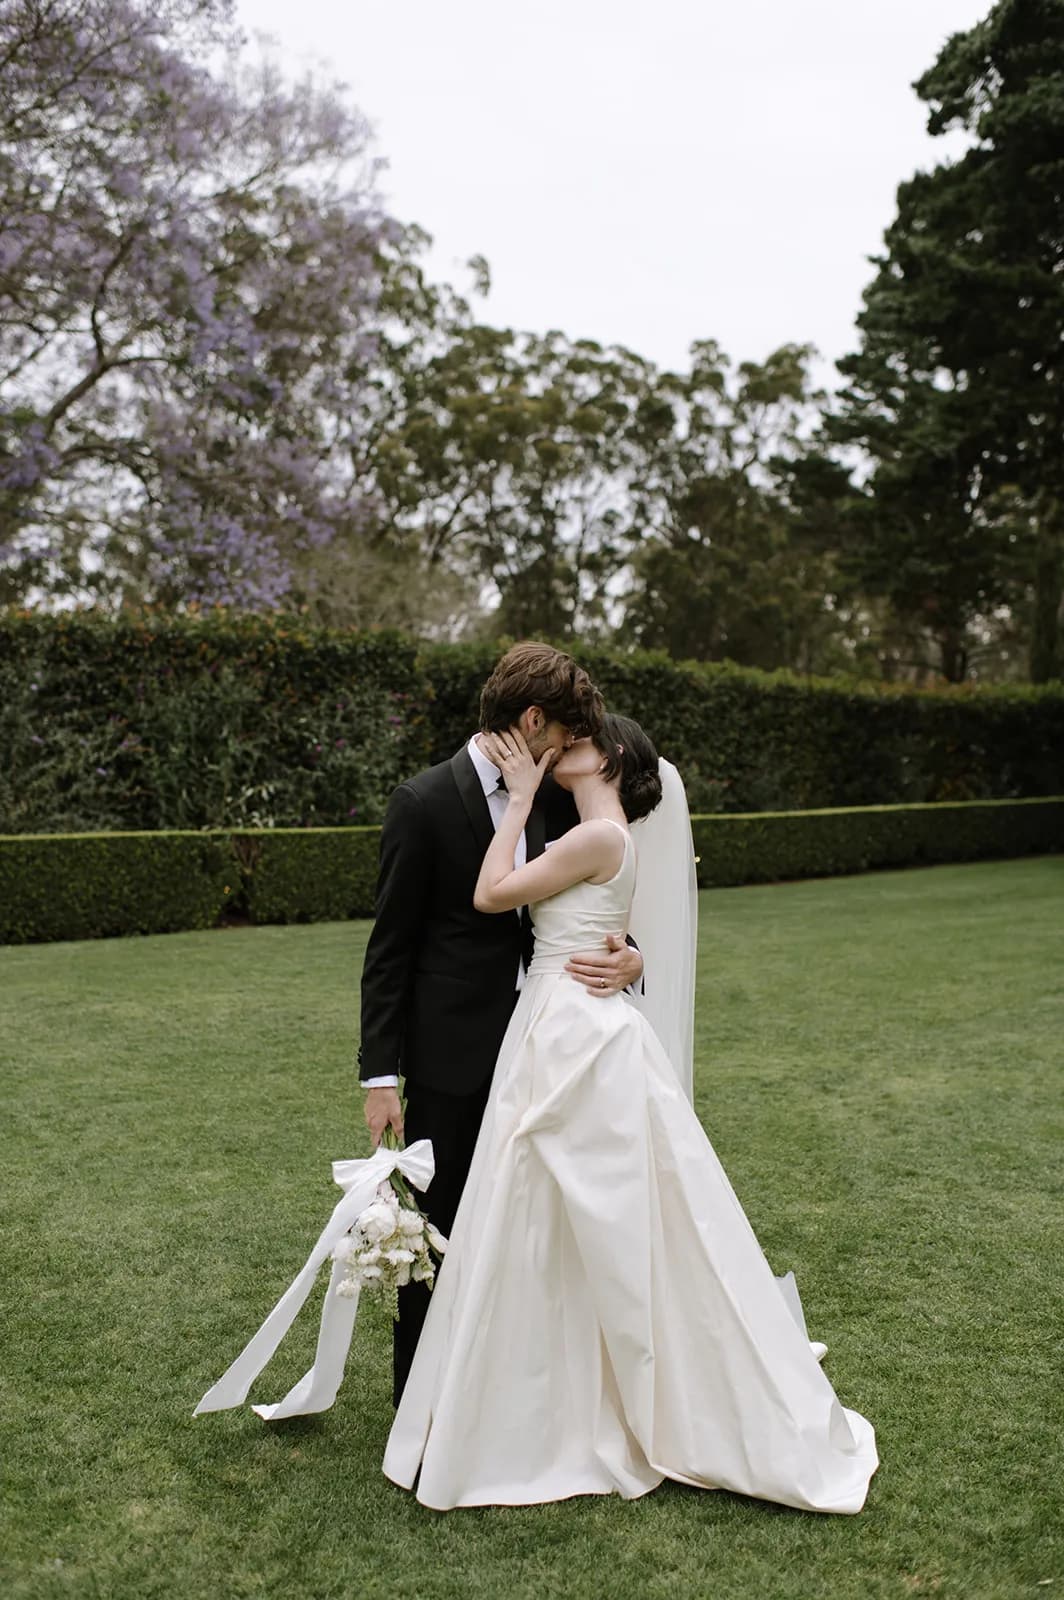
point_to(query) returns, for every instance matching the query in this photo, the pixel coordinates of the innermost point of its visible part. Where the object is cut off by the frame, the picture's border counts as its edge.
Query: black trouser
(452, 1122)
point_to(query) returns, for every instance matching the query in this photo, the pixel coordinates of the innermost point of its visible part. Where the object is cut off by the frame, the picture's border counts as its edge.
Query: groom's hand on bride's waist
(384, 1109)
(607, 972)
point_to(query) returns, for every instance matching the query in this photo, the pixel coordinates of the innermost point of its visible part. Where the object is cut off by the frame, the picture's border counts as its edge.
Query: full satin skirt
(605, 1317)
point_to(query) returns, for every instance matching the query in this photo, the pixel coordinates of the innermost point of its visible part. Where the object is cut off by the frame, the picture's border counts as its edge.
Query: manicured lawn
(880, 1070)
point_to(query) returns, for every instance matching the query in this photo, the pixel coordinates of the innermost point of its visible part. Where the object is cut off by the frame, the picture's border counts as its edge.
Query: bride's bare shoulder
(599, 828)
(600, 843)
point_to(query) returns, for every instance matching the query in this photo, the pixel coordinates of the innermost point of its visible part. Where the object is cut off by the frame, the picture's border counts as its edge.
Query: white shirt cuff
(389, 1082)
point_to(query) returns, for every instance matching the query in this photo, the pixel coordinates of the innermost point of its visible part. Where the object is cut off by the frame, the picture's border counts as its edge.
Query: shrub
(84, 885)
(758, 741)
(186, 723)
(309, 875)
(769, 847)
(255, 722)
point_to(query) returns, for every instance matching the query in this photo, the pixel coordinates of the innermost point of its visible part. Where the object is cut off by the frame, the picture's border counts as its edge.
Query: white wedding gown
(605, 1317)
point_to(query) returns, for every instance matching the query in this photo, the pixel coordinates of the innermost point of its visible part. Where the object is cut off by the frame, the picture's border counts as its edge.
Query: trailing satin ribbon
(317, 1389)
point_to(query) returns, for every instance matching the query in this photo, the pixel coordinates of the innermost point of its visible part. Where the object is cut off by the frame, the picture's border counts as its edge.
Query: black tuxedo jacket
(438, 981)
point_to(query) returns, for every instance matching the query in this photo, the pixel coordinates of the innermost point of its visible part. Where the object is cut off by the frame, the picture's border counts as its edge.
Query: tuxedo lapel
(473, 799)
(475, 804)
(535, 834)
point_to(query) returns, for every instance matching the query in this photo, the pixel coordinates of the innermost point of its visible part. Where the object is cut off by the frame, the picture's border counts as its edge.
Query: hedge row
(85, 886)
(770, 847)
(91, 885)
(183, 723)
(237, 724)
(756, 741)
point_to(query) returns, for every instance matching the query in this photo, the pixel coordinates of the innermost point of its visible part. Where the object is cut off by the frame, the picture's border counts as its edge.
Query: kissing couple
(604, 1317)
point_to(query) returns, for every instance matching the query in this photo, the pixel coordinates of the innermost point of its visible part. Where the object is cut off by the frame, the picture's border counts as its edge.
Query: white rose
(367, 1258)
(410, 1222)
(395, 1256)
(345, 1248)
(369, 1273)
(377, 1221)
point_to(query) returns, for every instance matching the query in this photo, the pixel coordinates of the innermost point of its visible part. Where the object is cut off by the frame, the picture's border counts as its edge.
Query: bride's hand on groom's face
(522, 773)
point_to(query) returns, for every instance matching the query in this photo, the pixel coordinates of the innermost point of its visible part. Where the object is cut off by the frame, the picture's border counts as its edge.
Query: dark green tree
(956, 391)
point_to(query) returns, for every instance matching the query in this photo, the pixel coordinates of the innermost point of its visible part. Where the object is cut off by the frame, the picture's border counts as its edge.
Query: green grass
(879, 1069)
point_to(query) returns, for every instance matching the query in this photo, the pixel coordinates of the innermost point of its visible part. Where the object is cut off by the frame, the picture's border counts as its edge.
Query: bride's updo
(629, 752)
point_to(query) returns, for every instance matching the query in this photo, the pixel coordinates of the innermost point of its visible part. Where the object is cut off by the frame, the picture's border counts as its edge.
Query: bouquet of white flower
(378, 1239)
(391, 1244)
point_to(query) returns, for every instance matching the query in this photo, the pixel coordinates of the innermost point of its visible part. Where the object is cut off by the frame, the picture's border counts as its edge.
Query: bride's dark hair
(629, 752)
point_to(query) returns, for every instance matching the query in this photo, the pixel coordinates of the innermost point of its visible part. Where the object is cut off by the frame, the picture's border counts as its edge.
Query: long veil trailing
(664, 922)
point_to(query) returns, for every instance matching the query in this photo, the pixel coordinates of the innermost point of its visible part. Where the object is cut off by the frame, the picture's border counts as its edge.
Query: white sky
(642, 172)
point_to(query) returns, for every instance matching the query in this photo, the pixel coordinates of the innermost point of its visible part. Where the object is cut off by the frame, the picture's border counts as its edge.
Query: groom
(441, 979)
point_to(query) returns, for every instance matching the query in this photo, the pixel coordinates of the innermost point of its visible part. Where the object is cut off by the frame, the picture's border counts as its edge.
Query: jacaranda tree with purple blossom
(189, 265)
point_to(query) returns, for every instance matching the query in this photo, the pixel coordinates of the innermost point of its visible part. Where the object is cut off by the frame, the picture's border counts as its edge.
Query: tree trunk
(954, 653)
(1046, 654)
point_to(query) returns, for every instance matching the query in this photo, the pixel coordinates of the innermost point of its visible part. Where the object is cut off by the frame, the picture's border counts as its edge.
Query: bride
(605, 1317)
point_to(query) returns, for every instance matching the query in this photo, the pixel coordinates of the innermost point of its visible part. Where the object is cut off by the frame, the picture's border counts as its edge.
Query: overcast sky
(643, 172)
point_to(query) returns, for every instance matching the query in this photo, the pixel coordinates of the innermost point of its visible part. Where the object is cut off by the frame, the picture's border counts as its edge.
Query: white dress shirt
(489, 775)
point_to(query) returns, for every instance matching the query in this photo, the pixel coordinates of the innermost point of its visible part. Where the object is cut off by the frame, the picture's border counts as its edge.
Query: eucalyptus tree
(507, 458)
(742, 517)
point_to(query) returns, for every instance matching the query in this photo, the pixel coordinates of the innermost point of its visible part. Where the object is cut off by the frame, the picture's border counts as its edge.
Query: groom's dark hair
(533, 674)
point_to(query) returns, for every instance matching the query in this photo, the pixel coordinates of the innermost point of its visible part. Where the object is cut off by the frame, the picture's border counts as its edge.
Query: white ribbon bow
(316, 1390)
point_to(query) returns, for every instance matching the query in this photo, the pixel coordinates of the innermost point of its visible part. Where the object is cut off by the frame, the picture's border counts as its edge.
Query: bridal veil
(664, 922)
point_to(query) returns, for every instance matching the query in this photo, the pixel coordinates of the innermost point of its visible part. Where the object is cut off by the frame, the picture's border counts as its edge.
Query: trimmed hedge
(774, 846)
(298, 875)
(202, 723)
(88, 885)
(757, 741)
(233, 724)
(82, 886)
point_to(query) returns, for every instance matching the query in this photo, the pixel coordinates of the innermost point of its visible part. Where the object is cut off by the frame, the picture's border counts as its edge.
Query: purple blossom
(221, 227)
